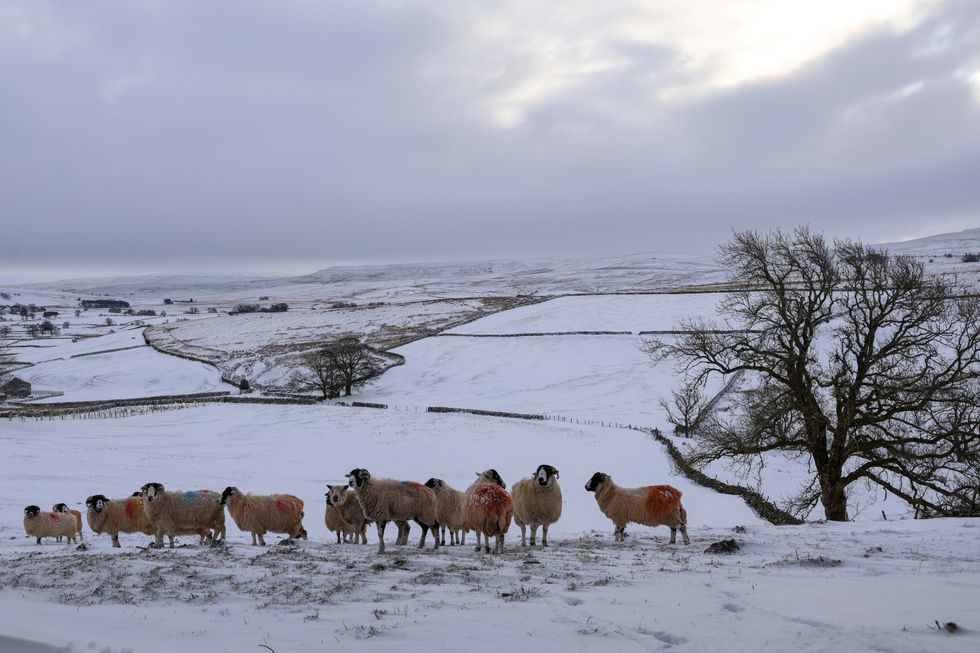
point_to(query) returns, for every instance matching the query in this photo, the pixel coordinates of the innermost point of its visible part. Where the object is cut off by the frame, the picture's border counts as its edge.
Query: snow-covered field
(603, 378)
(875, 586)
(869, 585)
(633, 313)
(264, 347)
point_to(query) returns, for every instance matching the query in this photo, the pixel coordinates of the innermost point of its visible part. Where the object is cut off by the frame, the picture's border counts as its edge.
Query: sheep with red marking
(488, 509)
(63, 507)
(344, 515)
(50, 524)
(384, 500)
(115, 516)
(537, 502)
(451, 515)
(652, 505)
(177, 513)
(261, 514)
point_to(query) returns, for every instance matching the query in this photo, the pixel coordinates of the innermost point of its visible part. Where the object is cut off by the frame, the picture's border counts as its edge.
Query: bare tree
(340, 367)
(355, 361)
(322, 374)
(685, 407)
(865, 365)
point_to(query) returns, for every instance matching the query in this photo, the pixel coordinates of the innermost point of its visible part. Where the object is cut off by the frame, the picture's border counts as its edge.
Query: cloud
(178, 134)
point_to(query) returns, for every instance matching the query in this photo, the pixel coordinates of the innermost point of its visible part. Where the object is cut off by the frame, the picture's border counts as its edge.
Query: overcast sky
(255, 136)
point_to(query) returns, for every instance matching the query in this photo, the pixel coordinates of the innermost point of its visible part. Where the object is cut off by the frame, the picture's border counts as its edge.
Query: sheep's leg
(462, 537)
(338, 537)
(115, 541)
(524, 535)
(683, 530)
(534, 534)
(500, 543)
(39, 540)
(403, 530)
(425, 531)
(261, 538)
(381, 536)
(442, 535)
(477, 541)
(673, 535)
(171, 535)
(544, 535)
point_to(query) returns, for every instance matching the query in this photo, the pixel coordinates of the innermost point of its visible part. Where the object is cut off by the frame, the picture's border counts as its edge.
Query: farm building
(16, 387)
(50, 313)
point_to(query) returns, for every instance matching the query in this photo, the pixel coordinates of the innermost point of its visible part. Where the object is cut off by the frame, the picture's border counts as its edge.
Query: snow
(789, 587)
(583, 377)
(138, 372)
(633, 313)
(866, 585)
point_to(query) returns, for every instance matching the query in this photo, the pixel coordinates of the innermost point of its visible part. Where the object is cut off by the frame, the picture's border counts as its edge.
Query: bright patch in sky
(525, 55)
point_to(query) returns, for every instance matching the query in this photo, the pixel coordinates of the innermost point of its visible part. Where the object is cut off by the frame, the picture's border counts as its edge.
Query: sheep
(179, 513)
(117, 516)
(537, 502)
(652, 505)
(50, 524)
(450, 511)
(385, 500)
(333, 518)
(261, 514)
(488, 509)
(63, 507)
(345, 515)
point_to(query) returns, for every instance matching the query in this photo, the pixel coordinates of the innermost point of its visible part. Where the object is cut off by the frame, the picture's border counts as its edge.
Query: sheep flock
(485, 508)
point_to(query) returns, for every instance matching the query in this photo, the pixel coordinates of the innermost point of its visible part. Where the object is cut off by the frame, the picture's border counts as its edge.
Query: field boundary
(758, 503)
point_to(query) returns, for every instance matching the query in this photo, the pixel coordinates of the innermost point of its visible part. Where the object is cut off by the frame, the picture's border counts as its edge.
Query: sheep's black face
(358, 476)
(433, 483)
(32, 511)
(151, 491)
(97, 502)
(59, 507)
(495, 477)
(229, 491)
(544, 474)
(597, 479)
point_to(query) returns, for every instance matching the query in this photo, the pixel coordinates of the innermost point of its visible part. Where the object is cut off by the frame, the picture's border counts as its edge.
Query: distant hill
(957, 244)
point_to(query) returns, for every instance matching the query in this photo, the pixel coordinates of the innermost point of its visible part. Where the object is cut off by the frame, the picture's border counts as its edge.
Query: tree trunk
(833, 498)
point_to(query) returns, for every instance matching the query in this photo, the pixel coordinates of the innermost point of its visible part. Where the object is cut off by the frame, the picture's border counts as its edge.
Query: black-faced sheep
(652, 505)
(537, 502)
(175, 513)
(344, 515)
(63, 507)
(115, 516)
(50, 524)
(488, 509)
(261, 514)
(450, 511)
(385, 500)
